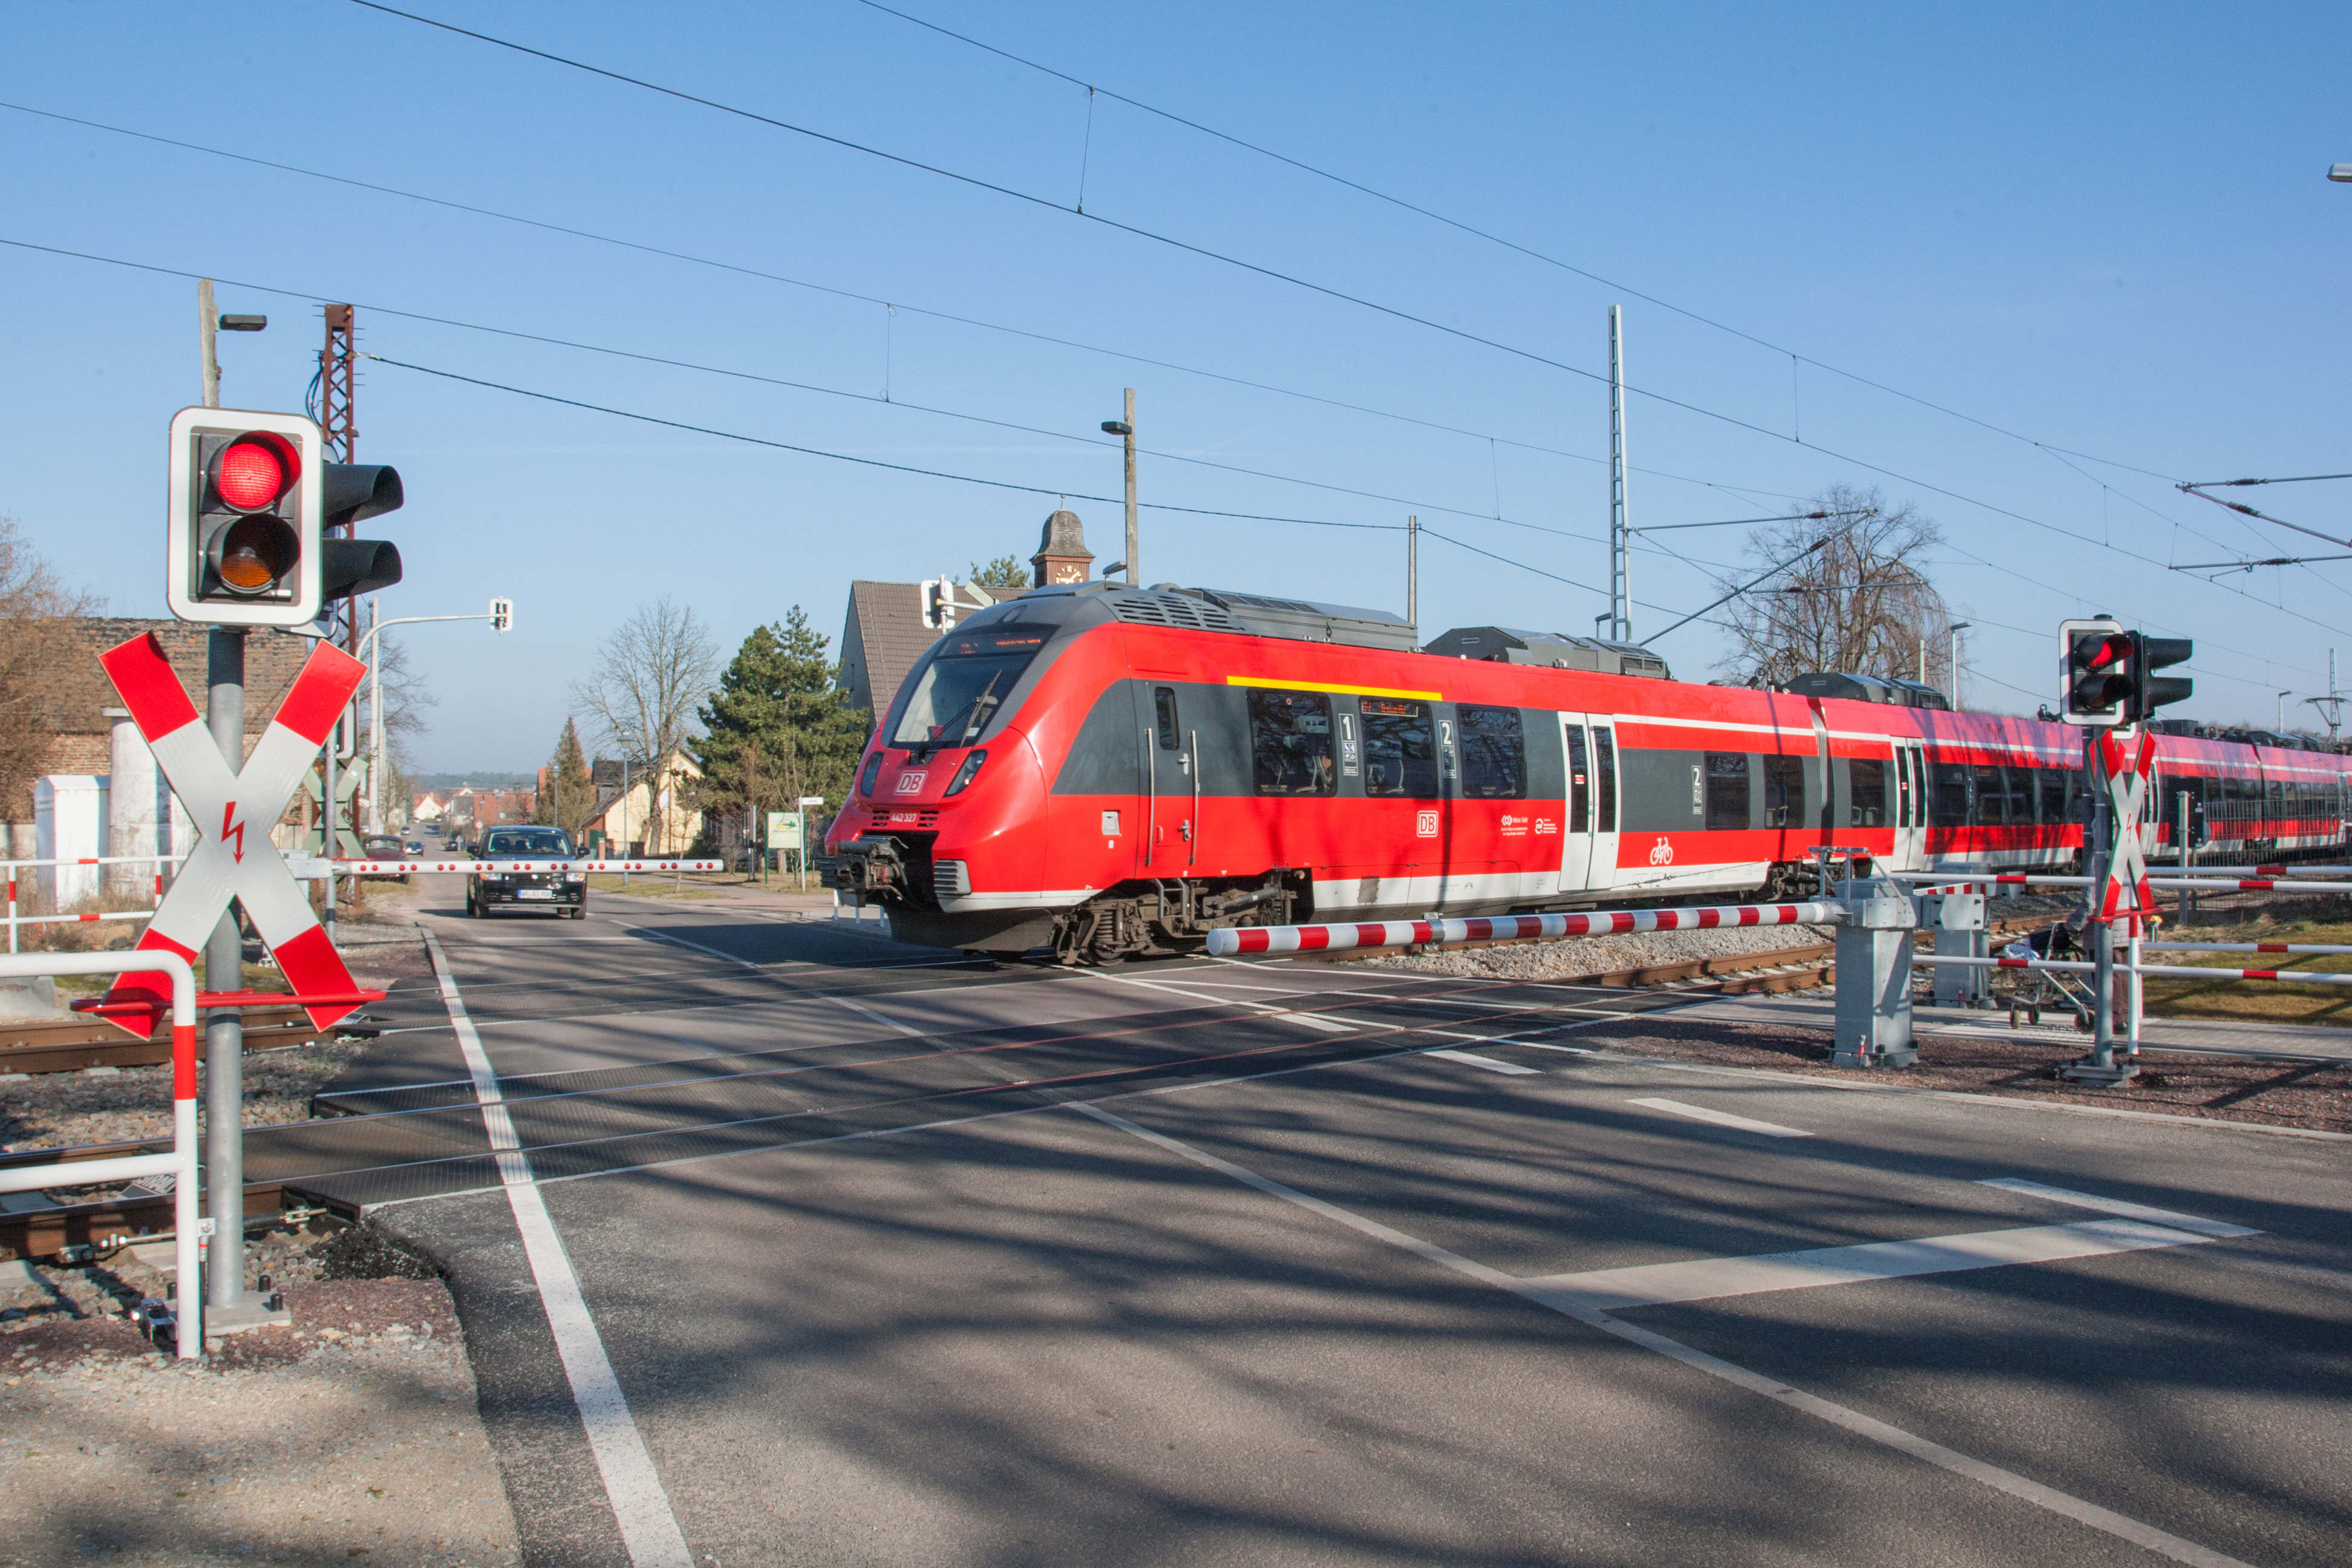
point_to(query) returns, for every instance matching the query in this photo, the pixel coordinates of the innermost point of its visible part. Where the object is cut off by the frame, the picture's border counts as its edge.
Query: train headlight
(966, 773)
(873, 771)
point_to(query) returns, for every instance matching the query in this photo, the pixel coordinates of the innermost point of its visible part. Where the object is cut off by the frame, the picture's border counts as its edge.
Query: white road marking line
(1171, 990)
(2117, 1206)
(1490, 1063)
(887, 1023)
(1315, 1021)
(1722, 1118)
(2121, 1526)
(1708, 1279)
(641, 1507)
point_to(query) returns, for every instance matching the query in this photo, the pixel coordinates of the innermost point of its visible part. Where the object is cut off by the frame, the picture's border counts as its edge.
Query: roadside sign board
(785, 829)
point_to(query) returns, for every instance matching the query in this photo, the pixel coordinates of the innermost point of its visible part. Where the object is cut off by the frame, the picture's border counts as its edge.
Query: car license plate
(534, 892)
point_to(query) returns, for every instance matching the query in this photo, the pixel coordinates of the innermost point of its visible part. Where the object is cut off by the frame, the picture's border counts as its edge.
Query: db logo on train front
(910, 783)
(1662, 853)
(1425, 824)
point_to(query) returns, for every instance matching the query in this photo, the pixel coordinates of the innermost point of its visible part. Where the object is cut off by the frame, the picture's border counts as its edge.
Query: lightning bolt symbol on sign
(232, 830)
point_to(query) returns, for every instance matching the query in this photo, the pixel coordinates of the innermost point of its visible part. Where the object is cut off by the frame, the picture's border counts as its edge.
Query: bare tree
(406, 694)
(640, 696)
(1857, 601)
(35, 605)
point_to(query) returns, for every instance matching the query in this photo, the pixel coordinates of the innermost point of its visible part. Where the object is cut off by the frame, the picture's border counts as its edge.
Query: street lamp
(1125, 430)
(2340, 172)
(1957, 627)
(499, 615)
(2282, 710)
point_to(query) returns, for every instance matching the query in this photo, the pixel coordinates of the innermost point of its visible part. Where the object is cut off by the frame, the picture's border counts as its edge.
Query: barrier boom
(1232, 941)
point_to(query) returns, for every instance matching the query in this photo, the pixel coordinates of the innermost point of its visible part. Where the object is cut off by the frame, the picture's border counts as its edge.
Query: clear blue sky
(2105, 229)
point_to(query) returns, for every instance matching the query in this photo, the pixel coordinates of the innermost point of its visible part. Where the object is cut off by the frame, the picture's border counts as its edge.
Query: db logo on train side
(1662, 853)
(911, 783)
(1425, 824)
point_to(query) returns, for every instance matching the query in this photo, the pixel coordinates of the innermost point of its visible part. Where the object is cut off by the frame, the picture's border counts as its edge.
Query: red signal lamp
(252, 471)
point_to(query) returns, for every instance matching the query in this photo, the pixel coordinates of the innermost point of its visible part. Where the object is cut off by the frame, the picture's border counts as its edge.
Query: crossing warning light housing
(2094, 671)
(242, 521)
(2150, 691)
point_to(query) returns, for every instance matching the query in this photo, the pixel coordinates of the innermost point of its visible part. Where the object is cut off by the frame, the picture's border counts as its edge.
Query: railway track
(72, 1045)
(77, 1233)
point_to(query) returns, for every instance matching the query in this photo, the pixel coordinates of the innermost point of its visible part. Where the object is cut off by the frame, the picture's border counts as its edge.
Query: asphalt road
(884, 1257)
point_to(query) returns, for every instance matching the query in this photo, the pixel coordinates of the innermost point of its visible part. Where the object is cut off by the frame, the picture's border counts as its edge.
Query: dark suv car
(490, 887)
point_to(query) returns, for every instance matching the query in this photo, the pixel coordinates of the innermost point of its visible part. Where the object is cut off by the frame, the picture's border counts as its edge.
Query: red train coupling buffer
(1232, 940)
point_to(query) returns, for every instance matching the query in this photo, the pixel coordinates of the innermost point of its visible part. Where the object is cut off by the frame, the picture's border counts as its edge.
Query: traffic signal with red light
(243, 518)
(2150, 691)
(2094, 670)
(251, 502)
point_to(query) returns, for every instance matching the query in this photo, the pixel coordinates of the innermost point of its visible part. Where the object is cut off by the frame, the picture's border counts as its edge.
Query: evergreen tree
(1004, 572)
(572, 796)
(778, 726)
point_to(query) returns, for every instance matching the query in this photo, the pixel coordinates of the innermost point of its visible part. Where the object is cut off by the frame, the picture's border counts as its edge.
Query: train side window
(1290, 743)
(1164, 708)
(1604, 768)
(1727, 790)
(1493, 753)
(1947, 802)
(1992, 796)
(2051, 785)
(1399, 747)
(1580, 787)
(1866, 791)
(1784, 792)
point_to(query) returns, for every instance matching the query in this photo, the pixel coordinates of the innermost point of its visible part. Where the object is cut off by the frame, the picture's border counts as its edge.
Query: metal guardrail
(180, 1164)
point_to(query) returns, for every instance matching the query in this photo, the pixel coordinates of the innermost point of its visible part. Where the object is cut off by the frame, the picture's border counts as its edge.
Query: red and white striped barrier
(495, 868)
(180, 1164)
(2175, 970)
(13, 866)
(2308, 948)
(1931, 881)
(1230, 941)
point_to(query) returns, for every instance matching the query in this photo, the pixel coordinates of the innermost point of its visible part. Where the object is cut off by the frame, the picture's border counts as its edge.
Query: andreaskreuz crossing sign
(2124, 758)
(234, 811)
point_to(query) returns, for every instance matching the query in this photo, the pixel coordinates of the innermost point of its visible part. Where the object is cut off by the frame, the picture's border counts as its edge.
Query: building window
(1399, 747)
(1493, 753)
(1290, 743)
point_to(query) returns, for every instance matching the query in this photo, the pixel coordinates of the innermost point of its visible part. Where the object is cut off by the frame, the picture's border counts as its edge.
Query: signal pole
(1621, 576)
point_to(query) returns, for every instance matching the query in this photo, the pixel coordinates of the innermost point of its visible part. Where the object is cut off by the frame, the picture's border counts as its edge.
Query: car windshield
(530, 843)
(964, 686)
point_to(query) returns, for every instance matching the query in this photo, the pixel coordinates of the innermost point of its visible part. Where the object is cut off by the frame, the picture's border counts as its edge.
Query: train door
(1910, 806)
(1587, 847)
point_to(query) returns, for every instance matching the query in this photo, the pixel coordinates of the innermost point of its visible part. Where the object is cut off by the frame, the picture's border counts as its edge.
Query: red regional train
(1112, 771)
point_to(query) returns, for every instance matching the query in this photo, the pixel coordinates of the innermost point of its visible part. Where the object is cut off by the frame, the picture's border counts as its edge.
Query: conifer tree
(574, 796)
(779, 727)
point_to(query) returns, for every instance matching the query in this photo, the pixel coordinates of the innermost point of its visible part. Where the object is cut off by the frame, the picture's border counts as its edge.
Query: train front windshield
(965, 685)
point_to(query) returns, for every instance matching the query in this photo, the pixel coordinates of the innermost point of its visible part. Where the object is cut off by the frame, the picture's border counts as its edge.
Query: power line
(1493, 238)
(865, 462)
(1391, 310)
(851, 294)
(865, 397)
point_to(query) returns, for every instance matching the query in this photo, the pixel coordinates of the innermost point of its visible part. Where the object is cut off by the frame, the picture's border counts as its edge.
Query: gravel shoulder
(351, 1436)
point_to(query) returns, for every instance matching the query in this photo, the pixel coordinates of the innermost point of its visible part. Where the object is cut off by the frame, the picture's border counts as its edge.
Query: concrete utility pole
(207, 341)
(1125, 430)
(1413, 574)
(1621, 571)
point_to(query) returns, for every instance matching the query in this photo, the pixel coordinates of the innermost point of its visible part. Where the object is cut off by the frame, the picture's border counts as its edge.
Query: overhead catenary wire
(1275, 274)
(977, 323)
(1491, 237)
